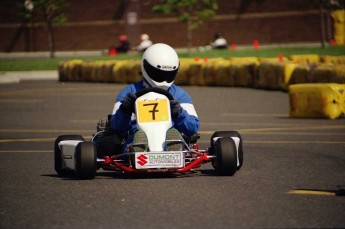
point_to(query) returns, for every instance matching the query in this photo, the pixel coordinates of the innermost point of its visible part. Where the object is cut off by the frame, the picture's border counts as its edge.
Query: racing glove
(175, 108)
(128, 103)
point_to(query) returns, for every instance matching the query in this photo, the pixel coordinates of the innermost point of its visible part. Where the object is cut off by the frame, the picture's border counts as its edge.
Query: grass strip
(32, 64)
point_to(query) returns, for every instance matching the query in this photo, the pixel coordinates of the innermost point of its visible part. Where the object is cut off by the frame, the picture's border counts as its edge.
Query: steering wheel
(156, 90)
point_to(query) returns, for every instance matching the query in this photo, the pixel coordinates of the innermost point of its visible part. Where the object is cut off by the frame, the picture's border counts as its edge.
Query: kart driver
(159, 67)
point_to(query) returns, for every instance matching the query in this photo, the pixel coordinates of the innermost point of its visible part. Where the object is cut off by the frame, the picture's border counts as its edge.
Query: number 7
(154, 110)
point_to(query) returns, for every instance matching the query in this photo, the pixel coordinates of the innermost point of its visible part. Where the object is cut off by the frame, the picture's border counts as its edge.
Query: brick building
(96, 24)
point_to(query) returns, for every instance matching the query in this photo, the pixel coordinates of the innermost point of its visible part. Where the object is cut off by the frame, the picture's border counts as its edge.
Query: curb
(17, 76)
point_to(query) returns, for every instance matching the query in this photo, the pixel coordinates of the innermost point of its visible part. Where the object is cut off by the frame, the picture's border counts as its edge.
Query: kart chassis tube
(201, 158)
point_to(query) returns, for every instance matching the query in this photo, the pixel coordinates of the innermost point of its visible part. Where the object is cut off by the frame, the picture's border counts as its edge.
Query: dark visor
(159, 75)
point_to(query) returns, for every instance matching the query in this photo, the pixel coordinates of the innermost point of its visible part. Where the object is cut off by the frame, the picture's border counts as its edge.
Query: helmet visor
(159, 75)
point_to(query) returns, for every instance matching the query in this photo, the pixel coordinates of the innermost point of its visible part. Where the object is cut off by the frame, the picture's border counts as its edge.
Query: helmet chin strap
(148, 85)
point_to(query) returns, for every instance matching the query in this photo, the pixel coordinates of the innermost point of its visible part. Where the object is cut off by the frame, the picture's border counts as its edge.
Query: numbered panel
(153, 111)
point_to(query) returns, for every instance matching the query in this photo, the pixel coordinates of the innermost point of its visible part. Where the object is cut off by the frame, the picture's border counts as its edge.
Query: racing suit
(186, 122)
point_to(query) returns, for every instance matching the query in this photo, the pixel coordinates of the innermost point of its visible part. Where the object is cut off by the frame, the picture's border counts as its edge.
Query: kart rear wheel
(58, 157)
(225, 162)
(230, 134)
(86, 160)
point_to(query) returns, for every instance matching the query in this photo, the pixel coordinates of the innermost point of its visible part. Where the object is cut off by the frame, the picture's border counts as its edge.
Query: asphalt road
(291, 172)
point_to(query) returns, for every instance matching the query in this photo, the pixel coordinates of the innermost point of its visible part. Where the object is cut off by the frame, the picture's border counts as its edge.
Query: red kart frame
(197, 158)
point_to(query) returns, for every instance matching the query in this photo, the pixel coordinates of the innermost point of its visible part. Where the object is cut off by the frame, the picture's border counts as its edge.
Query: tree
(48, 10)
(192, 12)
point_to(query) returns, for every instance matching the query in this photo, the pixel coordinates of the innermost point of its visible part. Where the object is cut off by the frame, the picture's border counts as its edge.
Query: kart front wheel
(230, 134)
(86, 160)
(58, 157)
(225, 162)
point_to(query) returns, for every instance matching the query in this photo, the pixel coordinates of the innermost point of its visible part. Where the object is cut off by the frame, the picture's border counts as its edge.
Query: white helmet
(144, 37)
(159, 65)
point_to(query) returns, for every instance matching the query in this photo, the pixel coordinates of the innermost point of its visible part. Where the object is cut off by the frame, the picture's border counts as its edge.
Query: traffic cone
(112, 52)
(256, 44)
(280, 57)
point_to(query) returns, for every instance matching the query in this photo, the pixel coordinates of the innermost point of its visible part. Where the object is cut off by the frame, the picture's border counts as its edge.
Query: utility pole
(133, 22)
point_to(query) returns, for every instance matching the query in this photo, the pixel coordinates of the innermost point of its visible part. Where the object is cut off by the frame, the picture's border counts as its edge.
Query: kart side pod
(68, 154)
(74, 156)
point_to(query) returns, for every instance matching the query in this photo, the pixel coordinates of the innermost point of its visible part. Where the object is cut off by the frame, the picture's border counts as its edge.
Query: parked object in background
(121, 47)
(145, 42)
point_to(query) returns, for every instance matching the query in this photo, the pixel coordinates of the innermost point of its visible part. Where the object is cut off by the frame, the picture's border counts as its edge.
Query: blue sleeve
(121, 122)
(187, 121)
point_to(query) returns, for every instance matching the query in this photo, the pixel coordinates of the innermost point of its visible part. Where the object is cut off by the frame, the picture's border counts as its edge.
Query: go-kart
(73, 156)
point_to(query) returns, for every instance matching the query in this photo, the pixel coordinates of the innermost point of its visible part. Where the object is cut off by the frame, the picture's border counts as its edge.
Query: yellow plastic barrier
(338, 15)
(223, 74)
(61, 71)
(311, 58)
(132, 70)
(196, 73)
(301, 74)
(70, 70)
(95, 71)
(209, 74)
(203, 71)
(183, 76)
(288, 72)
(272, 59)
(328, 73)
(317, 100)
(274, 76)
(333, 59)
(243, 73)
(243, 70)
(339, 26)
(244, 59)
(105, 71)
(119, 72)
(87, 71)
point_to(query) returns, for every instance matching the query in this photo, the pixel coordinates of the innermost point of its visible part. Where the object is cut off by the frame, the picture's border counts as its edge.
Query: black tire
(57, 154)
(86, 160)
(230, 134)
(107, 143)
(225, 162)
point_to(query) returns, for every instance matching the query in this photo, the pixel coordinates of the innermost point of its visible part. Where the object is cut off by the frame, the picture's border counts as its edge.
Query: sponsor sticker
(150, 160)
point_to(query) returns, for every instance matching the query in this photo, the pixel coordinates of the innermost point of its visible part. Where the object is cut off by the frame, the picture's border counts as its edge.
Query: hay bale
(271, 76)
(183, 75)
(305, 59)
(301, 74)
(317, 100)
(86, 71)
(333, 59)
(223, 74)
(328, 73)
(70, 70)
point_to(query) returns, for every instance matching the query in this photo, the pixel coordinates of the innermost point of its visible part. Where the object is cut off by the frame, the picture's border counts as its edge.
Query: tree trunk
(329, 26)
(51, 40)
(189, 36)
(322, 24)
